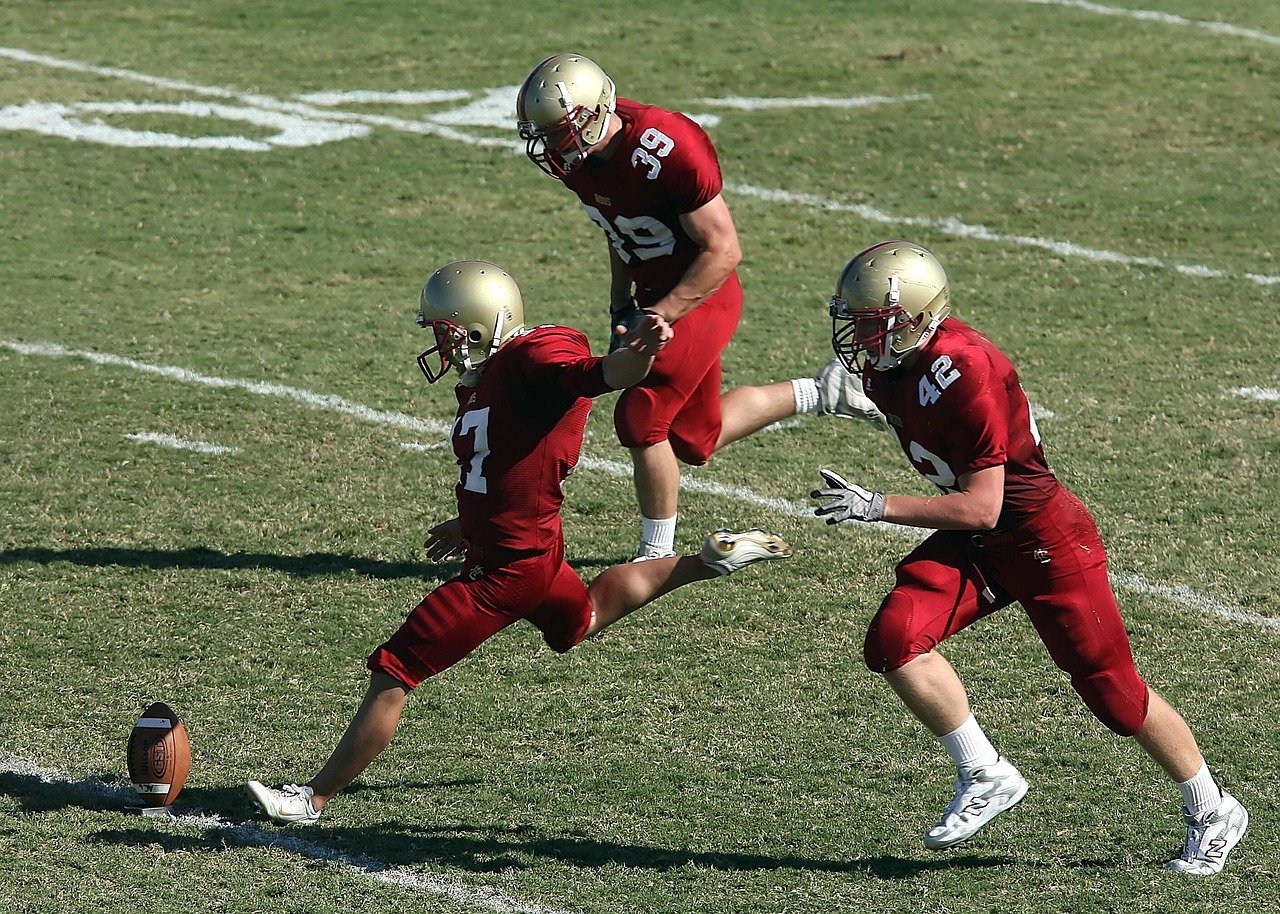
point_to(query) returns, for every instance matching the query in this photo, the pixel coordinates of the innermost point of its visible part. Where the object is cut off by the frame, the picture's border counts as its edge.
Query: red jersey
(664, 167)
(959, 408)
(518, 434)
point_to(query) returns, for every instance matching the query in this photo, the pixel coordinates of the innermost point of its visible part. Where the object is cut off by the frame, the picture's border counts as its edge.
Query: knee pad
(890, 643)
(1117, 697)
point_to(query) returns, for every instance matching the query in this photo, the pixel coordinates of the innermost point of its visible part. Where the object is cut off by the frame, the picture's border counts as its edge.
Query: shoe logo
(1216, 849)
(977, 804)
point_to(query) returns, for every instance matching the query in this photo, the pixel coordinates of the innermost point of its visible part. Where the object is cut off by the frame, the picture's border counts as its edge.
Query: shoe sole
(935, 845)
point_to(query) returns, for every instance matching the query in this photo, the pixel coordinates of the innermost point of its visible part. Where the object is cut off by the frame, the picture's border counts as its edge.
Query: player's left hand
(850, 500)
(444, 540)
(646, 335)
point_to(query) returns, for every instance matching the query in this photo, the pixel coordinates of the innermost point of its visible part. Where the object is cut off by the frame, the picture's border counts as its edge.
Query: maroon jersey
(664, 167)
(518, 434)
(960, 408)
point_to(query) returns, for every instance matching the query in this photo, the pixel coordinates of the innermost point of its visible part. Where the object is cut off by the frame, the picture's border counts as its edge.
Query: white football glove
(851, 501)
(840, 394)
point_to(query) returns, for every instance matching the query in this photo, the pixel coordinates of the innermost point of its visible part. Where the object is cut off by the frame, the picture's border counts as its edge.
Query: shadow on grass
(468, 848)
(199, 558)
(489, 849)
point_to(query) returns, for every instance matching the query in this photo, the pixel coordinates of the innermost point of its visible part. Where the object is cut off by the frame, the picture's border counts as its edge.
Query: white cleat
(980, 797)
(727, 552)
(840, 394)
(290, 804)
(647, 553)
(1211, 837)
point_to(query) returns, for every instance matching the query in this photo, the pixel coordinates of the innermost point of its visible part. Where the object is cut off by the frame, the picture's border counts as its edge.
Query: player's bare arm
(974, 505)
(619, 282)
(711, 228)
(629, 364)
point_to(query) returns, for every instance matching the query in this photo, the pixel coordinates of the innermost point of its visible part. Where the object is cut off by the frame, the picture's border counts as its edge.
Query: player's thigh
(685, 377)
(461, 614)
(564, 615)
(937, 592)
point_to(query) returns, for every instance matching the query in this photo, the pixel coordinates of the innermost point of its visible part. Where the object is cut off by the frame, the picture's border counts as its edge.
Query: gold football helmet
(473, 307)
(889, 301)
(564, 107)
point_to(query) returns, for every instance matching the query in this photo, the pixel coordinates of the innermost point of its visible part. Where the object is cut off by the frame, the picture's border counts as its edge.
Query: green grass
(724, 750)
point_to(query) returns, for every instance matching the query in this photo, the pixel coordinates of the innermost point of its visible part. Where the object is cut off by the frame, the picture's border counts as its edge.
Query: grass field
(206, 237)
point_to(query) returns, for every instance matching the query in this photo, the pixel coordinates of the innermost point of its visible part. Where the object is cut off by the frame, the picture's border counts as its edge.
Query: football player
(523, 398)
(1007, 531)
(650, 180)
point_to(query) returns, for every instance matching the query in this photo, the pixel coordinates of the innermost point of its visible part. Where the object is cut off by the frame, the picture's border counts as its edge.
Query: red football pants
(463, 613)
(1055, 565)
(679, 401)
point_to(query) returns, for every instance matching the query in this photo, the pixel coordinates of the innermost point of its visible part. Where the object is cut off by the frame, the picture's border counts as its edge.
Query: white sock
(658, 535)
(805, 391)
(969, 747)
(1201, 793)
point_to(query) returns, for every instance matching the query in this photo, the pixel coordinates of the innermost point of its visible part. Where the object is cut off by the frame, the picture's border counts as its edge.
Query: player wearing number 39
(650, 179)
(523, 398)
(1007, 531)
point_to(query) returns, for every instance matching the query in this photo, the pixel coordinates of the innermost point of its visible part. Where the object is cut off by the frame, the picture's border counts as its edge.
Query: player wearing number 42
(1007, 531)
(650, 179)
(523, 398)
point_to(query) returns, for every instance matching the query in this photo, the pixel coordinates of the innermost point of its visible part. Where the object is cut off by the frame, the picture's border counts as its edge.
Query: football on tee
(159, 755)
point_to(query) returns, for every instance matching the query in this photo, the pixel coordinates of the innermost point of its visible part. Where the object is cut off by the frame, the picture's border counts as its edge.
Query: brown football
(159, 755)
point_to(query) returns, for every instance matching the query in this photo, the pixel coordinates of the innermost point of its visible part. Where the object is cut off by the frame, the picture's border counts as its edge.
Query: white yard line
(1220, 28)
(438, 126)
(1257, 393)
(1178, 595)
(249, 833)
(959, 229)
(181, 444)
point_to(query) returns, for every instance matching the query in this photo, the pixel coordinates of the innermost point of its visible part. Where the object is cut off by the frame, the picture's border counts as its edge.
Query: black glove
(628, 316)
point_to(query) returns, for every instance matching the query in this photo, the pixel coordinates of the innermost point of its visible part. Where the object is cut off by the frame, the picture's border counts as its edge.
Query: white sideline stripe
(1257, 393)
(950, 226)
(1179, 595)
(1221, 28)
(419, 446)
(182, 444)
(743, 103)
(483, 899)
(305, 397)
(1185, 596)
(956, 228)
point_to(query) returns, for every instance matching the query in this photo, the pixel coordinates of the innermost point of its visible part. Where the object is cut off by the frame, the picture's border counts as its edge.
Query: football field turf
(218, 460)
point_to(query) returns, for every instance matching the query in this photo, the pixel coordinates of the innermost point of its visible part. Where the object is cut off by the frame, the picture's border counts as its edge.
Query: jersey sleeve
(559, 358)
(690, 177)
(981, 421)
